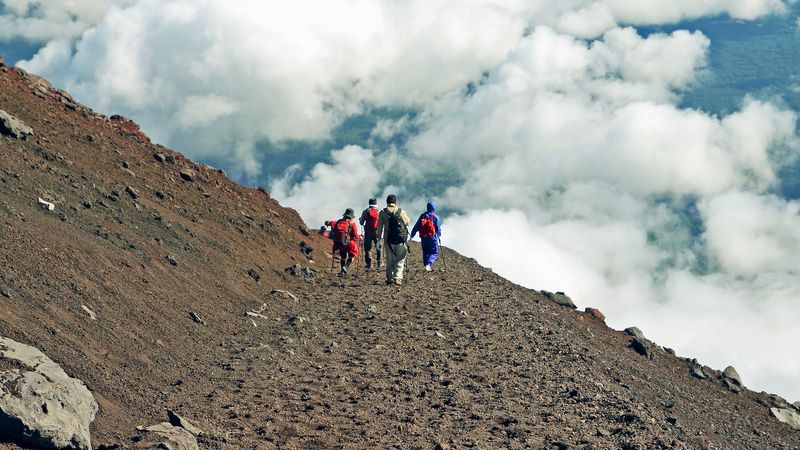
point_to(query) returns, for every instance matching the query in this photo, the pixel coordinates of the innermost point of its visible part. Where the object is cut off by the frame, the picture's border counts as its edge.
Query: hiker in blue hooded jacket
(429, 228)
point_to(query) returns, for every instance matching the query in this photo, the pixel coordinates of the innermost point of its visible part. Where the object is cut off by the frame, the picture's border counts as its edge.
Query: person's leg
(378, 251)
(342, 261)
(368, 242)
(401, 251)
(391, 263)
(430, 251)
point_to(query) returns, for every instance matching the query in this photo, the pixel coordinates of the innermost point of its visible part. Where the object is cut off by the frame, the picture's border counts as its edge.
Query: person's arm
(363, 219)
(415, 230)
(437, 222)
(354, 228)
(404, 217)
(381, 223)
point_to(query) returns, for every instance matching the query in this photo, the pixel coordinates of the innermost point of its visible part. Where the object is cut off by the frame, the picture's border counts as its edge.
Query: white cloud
(348, 182)
(43, 20)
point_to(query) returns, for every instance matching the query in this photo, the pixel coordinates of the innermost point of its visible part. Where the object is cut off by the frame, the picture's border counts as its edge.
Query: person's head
(431, 206)
(391, 199)
(327, 223)
(322, 229)
(349, 213)
(373, 201)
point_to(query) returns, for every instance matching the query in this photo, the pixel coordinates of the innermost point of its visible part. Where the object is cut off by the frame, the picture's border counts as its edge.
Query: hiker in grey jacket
(393, 228)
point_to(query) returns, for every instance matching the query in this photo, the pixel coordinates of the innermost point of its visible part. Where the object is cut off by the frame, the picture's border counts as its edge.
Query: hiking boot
(398, 282)
(343, 271)
(428, 267)
(389, 281)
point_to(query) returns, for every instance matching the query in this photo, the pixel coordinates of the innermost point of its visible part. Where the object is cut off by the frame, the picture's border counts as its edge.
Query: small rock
(166, 436)
(47, 205)
(596, 314)
(635, 332)
(132, 192)
(672, 420)
(187, 174)
(254, 274)
(11, 126)
(787, 416)
(796, 405)
(171, 259)
(298, 270)
(296, 320)
(88, 311)
(180, 421)
(160, 195)
(282, 293)
(560, 298)
(442, 446)
(642, 347)
(603, 433)
(193, 315)
(731, 374)
(731, 385)
(160, 157)
(697, 372)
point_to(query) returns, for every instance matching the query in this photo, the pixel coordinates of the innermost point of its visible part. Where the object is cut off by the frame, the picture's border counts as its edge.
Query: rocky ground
(139, 281)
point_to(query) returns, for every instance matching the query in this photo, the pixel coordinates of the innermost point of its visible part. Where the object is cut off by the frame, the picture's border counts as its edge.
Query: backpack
(398, 233)
(341, 233)
(371, 225)
(426, 226)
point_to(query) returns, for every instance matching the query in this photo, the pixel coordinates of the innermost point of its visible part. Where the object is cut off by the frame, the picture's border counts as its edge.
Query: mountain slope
(142, 237)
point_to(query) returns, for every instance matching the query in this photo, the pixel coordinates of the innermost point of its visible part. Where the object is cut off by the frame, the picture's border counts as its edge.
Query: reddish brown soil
(458, 356)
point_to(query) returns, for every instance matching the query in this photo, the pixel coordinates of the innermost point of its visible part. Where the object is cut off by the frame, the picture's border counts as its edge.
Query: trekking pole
(441, 252)
(333, 262)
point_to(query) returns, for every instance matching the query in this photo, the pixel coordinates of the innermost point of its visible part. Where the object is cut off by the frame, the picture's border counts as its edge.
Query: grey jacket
(383, 220)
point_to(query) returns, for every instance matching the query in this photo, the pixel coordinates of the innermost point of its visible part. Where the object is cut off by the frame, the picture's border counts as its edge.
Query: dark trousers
(346, 258)
(369, 243)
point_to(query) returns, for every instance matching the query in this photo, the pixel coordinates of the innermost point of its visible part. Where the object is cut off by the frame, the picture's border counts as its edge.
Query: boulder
(642, 347)
(11, 126)
(635, 332)
(179, 421)
(796, 405)
(731, 374)
(787, 416)
(166, 436)
(188, 174)
(594, 312)
(731, 385)
(560, 298)
(40, 405)
(697, 372)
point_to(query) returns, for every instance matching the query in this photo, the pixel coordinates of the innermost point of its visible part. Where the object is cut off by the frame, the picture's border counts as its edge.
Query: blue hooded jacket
(435, 219)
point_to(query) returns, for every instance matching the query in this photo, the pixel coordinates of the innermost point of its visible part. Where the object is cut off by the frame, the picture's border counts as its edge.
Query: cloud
(44, 20)
(295, 71)
(324, 193)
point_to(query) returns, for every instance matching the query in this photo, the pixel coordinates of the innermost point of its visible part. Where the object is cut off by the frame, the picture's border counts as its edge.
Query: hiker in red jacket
(369, 220)
(345, 239)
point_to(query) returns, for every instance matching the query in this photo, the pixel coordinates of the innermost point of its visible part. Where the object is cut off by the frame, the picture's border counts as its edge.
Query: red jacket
(352, 246)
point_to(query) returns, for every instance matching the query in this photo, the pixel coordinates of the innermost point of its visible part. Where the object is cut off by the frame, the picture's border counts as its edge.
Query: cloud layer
(552, 120)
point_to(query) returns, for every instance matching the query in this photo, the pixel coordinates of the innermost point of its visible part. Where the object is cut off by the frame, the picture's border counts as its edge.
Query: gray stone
(560, 298)
(166, 436)
(187, 174)
(635, 332)
(11, 126)
(731, 385)
(796, 405)
(193, 315)
(160, 157)
(731, 374)
(132, 192)
(180, 421)
(787, 416)
(171, 259)
(697, 372)
(40, 405)
(642, 347)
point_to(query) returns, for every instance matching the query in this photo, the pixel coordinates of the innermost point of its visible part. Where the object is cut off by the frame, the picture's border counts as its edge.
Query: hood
(431, 207)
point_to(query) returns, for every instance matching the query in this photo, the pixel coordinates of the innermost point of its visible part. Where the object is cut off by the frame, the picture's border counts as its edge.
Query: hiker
(369, 220)
(323, 231)
(393, 227)
(429, 228)
(345, 239)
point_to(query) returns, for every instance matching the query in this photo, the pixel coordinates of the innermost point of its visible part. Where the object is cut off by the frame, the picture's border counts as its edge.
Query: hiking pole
(441, 252)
